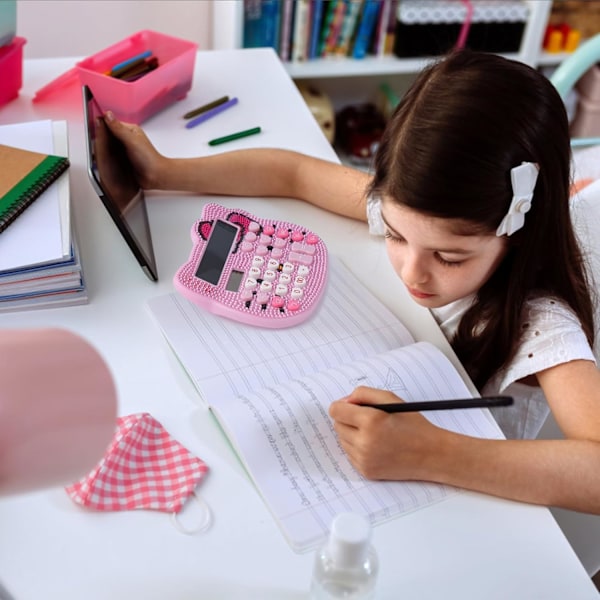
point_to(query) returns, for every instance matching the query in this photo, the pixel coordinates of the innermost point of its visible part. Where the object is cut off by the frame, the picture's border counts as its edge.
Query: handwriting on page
(291, 450)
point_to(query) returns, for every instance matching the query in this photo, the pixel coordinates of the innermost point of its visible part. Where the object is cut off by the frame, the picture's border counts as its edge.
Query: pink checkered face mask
(143, 468)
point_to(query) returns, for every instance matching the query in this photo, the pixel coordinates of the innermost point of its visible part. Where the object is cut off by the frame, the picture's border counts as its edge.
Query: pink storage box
(11, 69)
(136, 101)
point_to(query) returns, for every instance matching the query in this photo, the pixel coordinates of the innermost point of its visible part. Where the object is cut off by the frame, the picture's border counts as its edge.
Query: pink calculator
(263, 272)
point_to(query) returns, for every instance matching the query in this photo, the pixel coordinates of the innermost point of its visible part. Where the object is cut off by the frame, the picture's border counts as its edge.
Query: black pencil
(485, 402)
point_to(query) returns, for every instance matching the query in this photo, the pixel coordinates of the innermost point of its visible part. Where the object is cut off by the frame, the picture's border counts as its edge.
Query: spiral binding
(58, 166)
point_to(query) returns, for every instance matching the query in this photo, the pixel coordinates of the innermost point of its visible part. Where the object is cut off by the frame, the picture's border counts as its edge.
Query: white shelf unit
(228, 17)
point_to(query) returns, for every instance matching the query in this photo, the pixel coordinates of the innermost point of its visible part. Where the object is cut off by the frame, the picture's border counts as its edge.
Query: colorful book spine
(285, 34)
(366, 28)
(261, 23)
(348, 27)
(315, 28)
(335, 27)
(301, 30)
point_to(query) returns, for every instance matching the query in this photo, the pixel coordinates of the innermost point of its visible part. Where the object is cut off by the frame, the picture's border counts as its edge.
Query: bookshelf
(228, 17)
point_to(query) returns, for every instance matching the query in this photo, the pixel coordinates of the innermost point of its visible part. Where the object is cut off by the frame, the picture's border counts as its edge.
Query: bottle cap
(349, 539)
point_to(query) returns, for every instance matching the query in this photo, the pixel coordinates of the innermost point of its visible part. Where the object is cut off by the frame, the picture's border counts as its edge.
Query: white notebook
(270, 390)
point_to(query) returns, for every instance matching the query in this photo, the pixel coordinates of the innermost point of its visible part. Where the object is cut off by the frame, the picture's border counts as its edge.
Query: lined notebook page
(37, 235)
(225, 358)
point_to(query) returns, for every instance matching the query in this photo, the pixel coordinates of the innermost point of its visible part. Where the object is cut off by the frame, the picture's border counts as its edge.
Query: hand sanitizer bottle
(346, 566)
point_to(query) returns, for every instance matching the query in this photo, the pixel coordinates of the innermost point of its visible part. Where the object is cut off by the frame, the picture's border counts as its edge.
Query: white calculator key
(254, 272)
(273, 264)
(303, 271)
(262, 297)
(254, 227)
(287, 267)
(277, 252)
(266, 286)
(250, 283)
(269, 275)
(300, 282)
(296, 293)
(246, 295)
(258, 261)
(262, 250)
(285, 278)
(281, 290)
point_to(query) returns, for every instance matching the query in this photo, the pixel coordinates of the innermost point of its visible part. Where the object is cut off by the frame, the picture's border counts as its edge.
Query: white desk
(469, 546)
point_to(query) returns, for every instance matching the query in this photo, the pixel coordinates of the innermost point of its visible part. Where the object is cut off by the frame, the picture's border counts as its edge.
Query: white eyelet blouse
(552, 335)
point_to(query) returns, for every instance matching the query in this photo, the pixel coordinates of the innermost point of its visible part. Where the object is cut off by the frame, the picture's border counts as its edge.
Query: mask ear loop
(204, 524)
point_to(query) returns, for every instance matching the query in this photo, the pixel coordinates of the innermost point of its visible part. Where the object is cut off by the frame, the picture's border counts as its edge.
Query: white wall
(82, 27)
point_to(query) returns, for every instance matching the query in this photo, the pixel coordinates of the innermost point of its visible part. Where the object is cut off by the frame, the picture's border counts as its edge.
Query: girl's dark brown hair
(447, 152)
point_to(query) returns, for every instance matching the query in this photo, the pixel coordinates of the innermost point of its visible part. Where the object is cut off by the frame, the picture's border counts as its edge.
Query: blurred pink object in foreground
(58, 408)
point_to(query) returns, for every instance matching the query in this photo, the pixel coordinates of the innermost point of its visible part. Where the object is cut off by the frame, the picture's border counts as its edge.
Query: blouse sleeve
(552, 335)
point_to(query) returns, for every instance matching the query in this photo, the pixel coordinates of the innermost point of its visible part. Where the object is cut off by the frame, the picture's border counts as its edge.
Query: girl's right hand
(148, 163)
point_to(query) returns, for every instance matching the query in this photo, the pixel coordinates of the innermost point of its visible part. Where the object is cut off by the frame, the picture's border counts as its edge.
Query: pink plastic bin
(11, 69)
(136, 101)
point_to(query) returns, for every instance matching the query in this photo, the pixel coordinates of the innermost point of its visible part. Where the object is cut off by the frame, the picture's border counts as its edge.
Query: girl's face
(436, 265)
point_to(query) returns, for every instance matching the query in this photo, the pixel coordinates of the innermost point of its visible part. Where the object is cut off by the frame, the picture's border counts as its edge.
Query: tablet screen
(113, 178)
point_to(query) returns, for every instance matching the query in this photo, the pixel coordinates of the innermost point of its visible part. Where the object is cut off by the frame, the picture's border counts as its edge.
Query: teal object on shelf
(573, 67)
(8, 21)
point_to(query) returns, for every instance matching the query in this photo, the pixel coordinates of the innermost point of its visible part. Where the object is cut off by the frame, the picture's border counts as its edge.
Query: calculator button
(269, 275)
(293, 305)
(262, 250)
(277, 252)
(262, 297)
(296, 293)
(302, 248)
(265, 240)
(281, 289)
(303, 271)
(254, 272)
(312, 239)
(266, 286)
(254, 227)
(273, 264)
(285, 278)
(287, 267)
(279, 243)
(277, 302)
(246, 295)
(246, 247)
(297, 236)
(269, 229)
(250, 237)
(258, 261)
(282, 234)
(301, 259)
(300, 282)
(250, 283)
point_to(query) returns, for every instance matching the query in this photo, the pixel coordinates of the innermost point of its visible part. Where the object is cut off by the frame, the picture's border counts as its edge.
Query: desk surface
(468, 546)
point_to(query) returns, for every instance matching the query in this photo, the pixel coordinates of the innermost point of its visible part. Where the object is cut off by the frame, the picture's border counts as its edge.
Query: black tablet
(113, 178)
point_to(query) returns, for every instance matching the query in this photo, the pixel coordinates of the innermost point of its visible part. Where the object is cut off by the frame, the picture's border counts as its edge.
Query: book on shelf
(285, 33)
(366, 28)
(301, 30)
(261, 23)
(348, 29)
(40, 264)
(270, 389)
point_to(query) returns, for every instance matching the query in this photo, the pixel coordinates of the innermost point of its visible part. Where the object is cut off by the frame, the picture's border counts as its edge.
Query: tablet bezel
(145, 257)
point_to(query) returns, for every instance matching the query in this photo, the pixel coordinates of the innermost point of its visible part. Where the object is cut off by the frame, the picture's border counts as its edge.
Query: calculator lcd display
(216, 252)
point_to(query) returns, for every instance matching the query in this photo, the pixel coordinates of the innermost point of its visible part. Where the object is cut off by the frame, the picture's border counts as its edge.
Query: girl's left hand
(400, 446)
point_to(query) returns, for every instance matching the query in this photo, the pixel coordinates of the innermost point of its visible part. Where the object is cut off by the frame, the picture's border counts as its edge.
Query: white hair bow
(523, 180)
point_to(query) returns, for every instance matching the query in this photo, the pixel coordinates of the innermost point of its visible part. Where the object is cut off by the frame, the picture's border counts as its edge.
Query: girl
(471, 191)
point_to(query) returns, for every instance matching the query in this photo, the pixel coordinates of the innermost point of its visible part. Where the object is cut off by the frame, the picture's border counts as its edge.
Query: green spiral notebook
(24, 175)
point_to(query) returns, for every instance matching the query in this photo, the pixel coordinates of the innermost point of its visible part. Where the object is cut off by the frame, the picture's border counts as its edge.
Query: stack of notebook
(39, 258)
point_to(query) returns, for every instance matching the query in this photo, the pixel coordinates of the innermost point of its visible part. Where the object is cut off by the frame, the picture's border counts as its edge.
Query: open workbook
(270, 390)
